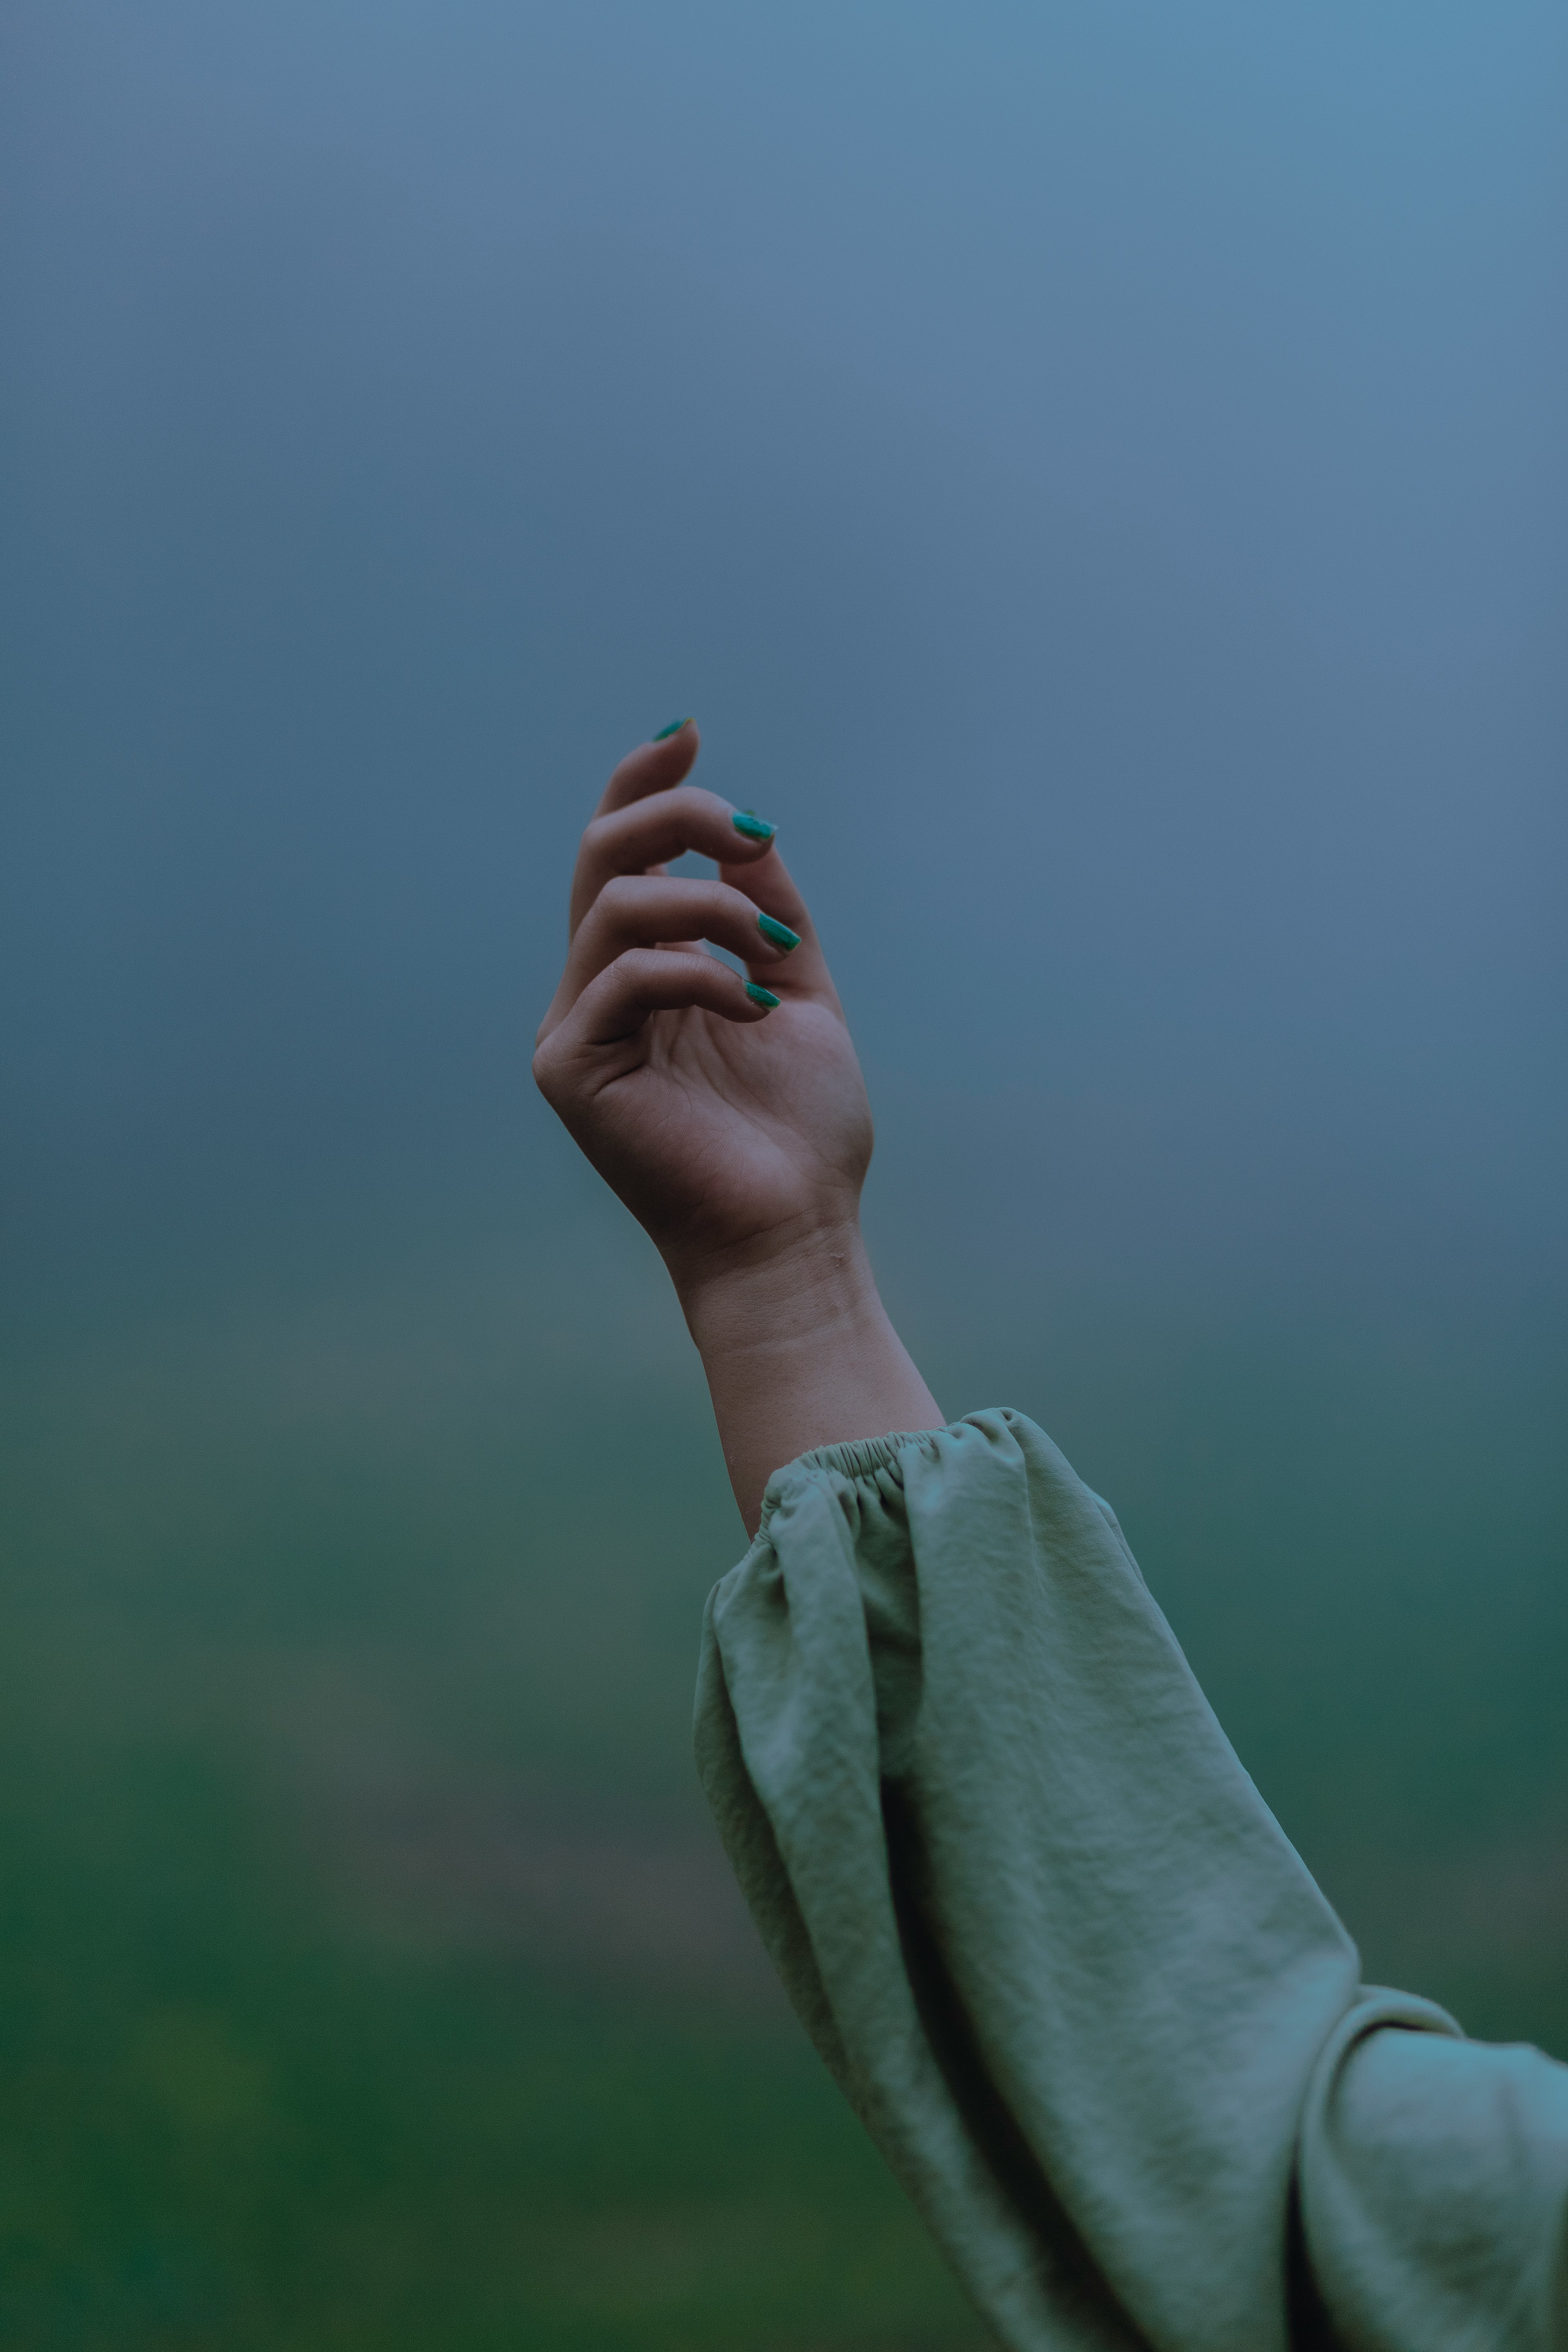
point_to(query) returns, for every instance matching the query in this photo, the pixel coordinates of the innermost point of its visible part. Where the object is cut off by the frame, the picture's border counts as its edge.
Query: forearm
(799, 1353)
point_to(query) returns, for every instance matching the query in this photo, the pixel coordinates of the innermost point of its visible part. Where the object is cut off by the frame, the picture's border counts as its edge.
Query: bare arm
(734, 1125)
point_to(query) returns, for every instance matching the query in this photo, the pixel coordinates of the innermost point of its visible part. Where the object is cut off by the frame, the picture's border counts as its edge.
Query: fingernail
(755, 828)
(674, 727)
(763, 996)
(777, 935)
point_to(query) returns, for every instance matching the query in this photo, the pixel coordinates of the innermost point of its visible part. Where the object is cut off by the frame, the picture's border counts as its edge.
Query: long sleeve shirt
(1063, 1961)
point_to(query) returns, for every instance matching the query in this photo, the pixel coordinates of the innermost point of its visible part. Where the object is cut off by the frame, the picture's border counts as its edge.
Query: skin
(738, 1136)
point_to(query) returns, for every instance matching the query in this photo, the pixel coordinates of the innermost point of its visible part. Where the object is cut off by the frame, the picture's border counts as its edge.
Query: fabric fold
(1060, 1955)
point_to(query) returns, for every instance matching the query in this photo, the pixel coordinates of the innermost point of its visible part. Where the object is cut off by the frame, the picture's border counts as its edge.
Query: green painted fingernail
(777, 935)
(674, 727)
(763, 996)
(755, 827)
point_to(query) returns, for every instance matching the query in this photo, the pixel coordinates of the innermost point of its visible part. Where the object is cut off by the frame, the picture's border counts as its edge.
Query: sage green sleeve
(1062, 1960)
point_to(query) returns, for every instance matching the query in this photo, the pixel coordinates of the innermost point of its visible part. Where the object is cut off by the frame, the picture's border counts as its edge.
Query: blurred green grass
(225, 2126)
(289, 1594)
(242, 2107)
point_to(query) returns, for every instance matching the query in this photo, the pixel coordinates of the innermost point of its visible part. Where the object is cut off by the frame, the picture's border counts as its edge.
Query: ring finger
(646, 911)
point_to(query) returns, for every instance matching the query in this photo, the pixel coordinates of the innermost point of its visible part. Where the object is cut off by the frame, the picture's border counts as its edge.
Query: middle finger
(653, 831)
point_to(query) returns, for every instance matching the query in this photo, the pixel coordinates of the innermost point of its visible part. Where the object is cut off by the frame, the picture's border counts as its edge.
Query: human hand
(734, 1125)
(728, 1114)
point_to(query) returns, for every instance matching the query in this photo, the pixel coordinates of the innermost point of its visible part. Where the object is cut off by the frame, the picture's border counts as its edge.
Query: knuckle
(547, 1071)
(689, 806)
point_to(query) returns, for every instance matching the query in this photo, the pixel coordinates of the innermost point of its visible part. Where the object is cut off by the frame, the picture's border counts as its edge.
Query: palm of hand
(725, 1113)
(716, 1135)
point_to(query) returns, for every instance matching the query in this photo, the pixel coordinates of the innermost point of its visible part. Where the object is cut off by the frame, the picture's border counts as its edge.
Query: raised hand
(729, 1114)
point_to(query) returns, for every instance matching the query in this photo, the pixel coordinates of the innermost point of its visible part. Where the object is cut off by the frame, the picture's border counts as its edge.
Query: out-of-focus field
(369, 1976)
(368, 1973)
(1095, 476)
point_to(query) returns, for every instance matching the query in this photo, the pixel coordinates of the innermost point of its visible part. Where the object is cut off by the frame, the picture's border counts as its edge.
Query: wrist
(807, 1285)
(798, 1351)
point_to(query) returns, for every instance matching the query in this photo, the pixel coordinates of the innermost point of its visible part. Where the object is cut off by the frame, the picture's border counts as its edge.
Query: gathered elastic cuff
(861, 1457)
(873, 1457)
(857, 1457)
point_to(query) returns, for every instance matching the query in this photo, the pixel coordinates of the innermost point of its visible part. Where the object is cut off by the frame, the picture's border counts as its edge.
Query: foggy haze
(1103, 495)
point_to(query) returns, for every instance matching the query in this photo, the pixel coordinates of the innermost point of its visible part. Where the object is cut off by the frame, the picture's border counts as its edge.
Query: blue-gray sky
(1097, 473)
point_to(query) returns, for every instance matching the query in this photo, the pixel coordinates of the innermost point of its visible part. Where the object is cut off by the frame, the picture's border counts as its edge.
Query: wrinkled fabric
(1061, 1959)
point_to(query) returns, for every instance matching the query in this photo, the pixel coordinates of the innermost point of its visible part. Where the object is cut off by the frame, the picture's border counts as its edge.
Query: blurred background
(1098, 475)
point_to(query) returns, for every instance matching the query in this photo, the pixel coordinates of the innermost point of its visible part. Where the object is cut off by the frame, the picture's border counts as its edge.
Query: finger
(647, 911)
(653, 767)
(657, 828)
(767, 882)
(621, 999)
(636, 910)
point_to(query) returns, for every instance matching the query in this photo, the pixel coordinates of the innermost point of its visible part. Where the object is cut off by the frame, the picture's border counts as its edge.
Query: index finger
(653, 767)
